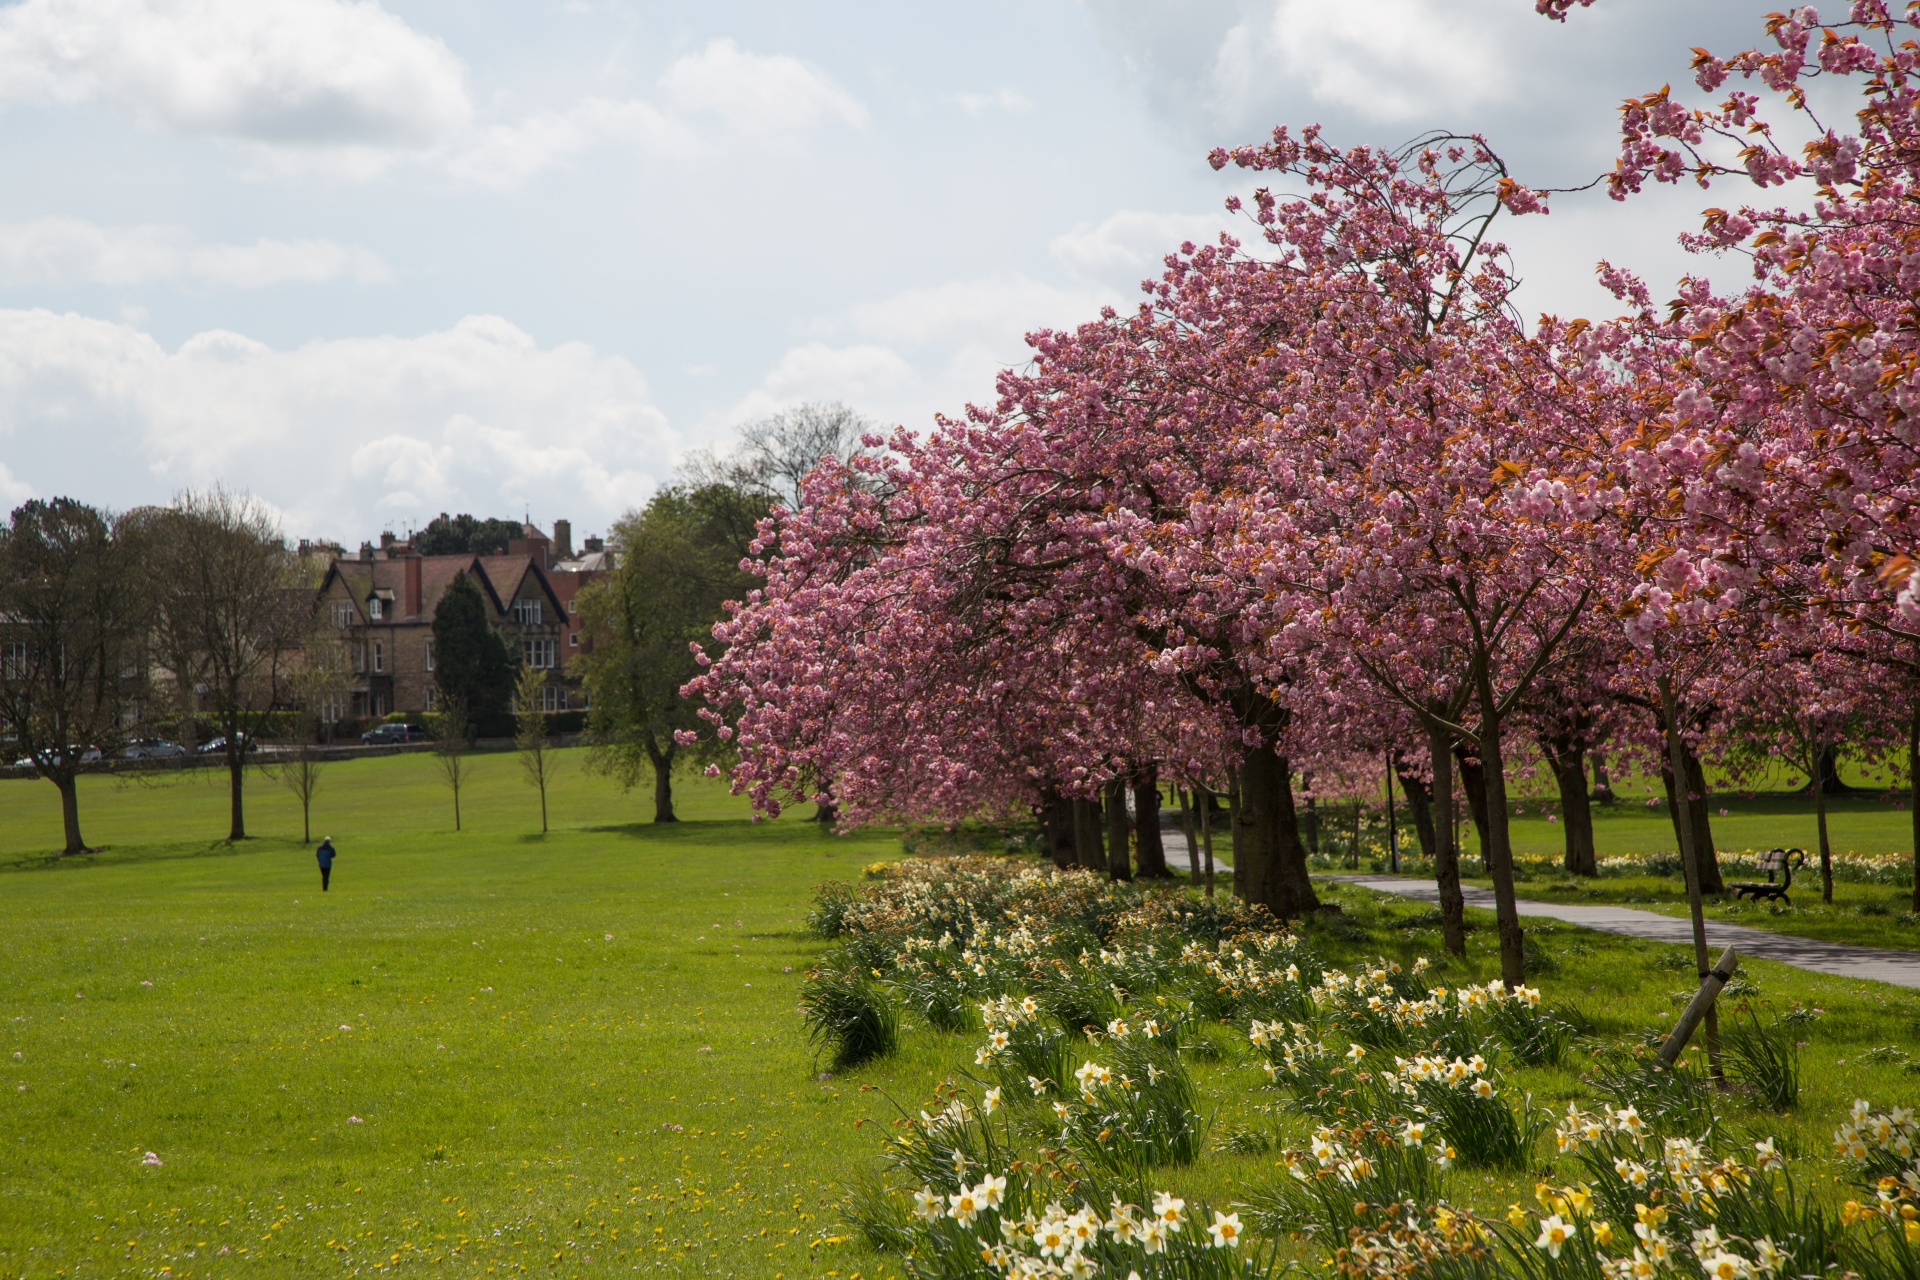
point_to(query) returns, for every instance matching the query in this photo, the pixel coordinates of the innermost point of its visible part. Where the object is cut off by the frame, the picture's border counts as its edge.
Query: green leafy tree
(472, 668)
(678, 564)
(71, 615)
(447, 535)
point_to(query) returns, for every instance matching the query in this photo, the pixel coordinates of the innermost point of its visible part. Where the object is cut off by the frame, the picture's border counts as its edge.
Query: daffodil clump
(978, 1210)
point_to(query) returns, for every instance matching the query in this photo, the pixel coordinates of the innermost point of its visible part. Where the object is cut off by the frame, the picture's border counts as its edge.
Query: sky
(372, 261)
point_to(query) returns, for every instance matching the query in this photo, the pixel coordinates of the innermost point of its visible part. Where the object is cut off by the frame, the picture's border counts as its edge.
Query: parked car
(152, 749)
(89, 756)
(218, 746)
(384, 734)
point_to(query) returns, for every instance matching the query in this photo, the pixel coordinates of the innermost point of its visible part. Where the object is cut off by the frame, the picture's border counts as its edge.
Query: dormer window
(376, 609)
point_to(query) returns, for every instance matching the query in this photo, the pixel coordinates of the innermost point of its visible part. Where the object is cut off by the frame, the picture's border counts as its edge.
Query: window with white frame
(342, 615)
(433, 694)
(538, 652)
(526, 612)
(15, 660)
(334, 710)
(429, 653)
(360, 659)
(573, 606)
(573, 640)
(379, 658)
(376, 609)
(553, 697)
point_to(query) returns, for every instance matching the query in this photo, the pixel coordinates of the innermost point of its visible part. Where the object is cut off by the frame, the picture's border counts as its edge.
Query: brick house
(382, 605)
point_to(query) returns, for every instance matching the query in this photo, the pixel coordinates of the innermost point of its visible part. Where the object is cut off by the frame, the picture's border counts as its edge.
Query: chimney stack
(563, 539)
(594, 544)
(366, 551)
(412, 605)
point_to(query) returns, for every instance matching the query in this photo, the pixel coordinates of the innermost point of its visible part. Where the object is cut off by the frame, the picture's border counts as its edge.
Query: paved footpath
(1901, 968)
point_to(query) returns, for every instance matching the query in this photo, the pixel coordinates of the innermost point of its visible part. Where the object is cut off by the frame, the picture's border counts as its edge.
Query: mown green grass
(532, 1094)
(550, 1041)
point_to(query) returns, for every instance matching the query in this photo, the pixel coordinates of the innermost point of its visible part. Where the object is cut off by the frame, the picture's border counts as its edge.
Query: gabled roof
(499, 577)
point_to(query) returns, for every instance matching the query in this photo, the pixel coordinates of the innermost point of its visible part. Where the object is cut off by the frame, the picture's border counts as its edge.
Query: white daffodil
(1554, 1234)
(1225, 1230)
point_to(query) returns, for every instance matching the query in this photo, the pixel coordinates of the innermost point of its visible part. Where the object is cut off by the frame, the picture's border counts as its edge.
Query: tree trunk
(306, 817)
(1267, 839)
(1913, 794)
(825, 811)
(1114, 806)
(663, 791)
(1206, 834)
(1149, 851)
(1696, 809)
(1602, 785)
(69, 787)
(1056, 828)
(1569, 770)
(236, 775)
(1681, 762)
(1473, 781)
(1829, 774)
(1446, 855)
(1820, 824)
(1233, 836)
(1086, 835)
(1419, 796)
(1499, 848)
(663, 778)
(1190, 827)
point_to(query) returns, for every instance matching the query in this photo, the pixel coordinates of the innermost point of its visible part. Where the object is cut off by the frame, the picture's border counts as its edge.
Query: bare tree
(315, 687)
(229, 604)
(776, 453)
(530, 733)
(71, 626)
(450, 727)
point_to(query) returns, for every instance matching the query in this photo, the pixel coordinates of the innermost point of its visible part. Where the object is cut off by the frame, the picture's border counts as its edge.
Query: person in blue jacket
(325, 854)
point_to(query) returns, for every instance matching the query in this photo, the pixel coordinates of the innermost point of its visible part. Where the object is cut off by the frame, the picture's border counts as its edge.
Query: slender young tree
(530, 734)
(317, 685)
(451, 742)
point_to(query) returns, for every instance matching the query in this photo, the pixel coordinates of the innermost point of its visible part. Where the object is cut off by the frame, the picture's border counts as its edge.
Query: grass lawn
(497, 1052)
(487, 1052)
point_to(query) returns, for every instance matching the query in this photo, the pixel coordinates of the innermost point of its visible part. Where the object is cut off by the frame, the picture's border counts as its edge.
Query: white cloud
(12, 491)
(1133, 244)
(338, 434)
(284, 73)
(722, 99)
(756, 95)
(999, 310)
(1005, 99)
(64, 251)
(1390, 60)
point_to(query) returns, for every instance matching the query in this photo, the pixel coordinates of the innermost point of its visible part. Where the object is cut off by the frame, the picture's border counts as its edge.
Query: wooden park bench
(1774, 862)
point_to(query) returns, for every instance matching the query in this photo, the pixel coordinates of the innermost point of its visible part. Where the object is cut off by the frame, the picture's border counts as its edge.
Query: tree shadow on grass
(129, 855)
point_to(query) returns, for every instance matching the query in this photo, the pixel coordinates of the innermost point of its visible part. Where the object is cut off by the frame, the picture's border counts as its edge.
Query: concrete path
(1901, 968)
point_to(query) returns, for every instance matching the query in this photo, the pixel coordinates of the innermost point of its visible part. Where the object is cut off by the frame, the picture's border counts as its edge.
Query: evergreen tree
(471, 665)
